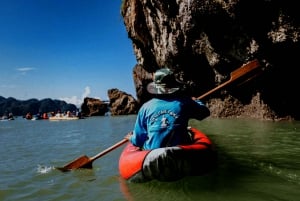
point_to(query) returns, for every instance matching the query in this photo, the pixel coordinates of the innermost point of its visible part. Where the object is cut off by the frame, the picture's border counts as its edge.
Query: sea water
(257, 161)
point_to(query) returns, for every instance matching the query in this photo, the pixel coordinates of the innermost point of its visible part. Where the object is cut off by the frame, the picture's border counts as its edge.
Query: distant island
(119, 103)
(34, 106)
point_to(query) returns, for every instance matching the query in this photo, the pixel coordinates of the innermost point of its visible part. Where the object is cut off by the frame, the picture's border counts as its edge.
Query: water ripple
(44, 169)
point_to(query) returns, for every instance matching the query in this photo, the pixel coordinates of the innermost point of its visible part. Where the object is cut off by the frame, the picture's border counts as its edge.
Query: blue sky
(64, 49)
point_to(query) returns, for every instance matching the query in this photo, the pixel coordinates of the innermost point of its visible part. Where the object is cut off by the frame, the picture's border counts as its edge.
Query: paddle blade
(81, 162)
(245, 69)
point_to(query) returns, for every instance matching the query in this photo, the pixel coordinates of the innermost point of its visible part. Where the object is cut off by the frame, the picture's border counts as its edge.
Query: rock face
(204, 40)
(93, 107)
(121, 103)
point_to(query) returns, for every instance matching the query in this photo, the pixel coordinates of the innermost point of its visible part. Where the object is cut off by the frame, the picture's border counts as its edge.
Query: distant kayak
(168, 163)
(56, 118)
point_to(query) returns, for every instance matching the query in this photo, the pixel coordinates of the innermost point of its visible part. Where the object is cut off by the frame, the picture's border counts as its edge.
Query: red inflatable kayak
(168, 163)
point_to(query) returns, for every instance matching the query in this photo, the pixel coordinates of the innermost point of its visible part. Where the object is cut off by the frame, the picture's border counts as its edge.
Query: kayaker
(163, 120)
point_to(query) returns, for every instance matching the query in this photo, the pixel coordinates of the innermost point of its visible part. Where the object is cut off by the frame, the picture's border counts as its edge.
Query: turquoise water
(257, 161)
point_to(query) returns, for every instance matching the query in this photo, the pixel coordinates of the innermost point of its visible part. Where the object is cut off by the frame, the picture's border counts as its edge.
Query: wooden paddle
(234, 75)
(86, 162)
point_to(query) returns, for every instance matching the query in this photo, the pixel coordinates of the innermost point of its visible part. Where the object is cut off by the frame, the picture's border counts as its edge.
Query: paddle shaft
(243, 70)
(120, 143)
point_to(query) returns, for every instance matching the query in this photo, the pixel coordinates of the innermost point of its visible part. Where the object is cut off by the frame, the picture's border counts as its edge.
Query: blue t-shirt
(163, 122)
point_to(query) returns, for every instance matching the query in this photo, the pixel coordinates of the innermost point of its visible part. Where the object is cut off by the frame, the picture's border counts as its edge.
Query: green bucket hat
(164, 82)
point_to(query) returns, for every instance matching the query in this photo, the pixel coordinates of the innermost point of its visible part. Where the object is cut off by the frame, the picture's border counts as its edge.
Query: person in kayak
(163, 120)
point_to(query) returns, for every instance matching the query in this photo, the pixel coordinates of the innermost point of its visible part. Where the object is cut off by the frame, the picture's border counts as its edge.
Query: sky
(64, 49)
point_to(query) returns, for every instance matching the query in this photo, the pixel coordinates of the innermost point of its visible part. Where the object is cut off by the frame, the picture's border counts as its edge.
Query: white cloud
(86, 93)
(75, 100)
(25, 69)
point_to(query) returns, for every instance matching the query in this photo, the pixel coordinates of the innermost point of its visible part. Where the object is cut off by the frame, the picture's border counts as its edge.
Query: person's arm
(139, 133)
(199, 109)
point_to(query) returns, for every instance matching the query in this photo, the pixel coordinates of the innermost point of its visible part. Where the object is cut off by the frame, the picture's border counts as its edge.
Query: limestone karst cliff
(204, 41)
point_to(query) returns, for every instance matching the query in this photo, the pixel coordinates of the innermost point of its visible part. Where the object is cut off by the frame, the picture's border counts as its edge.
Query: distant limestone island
(120, 103)
(10, 107)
